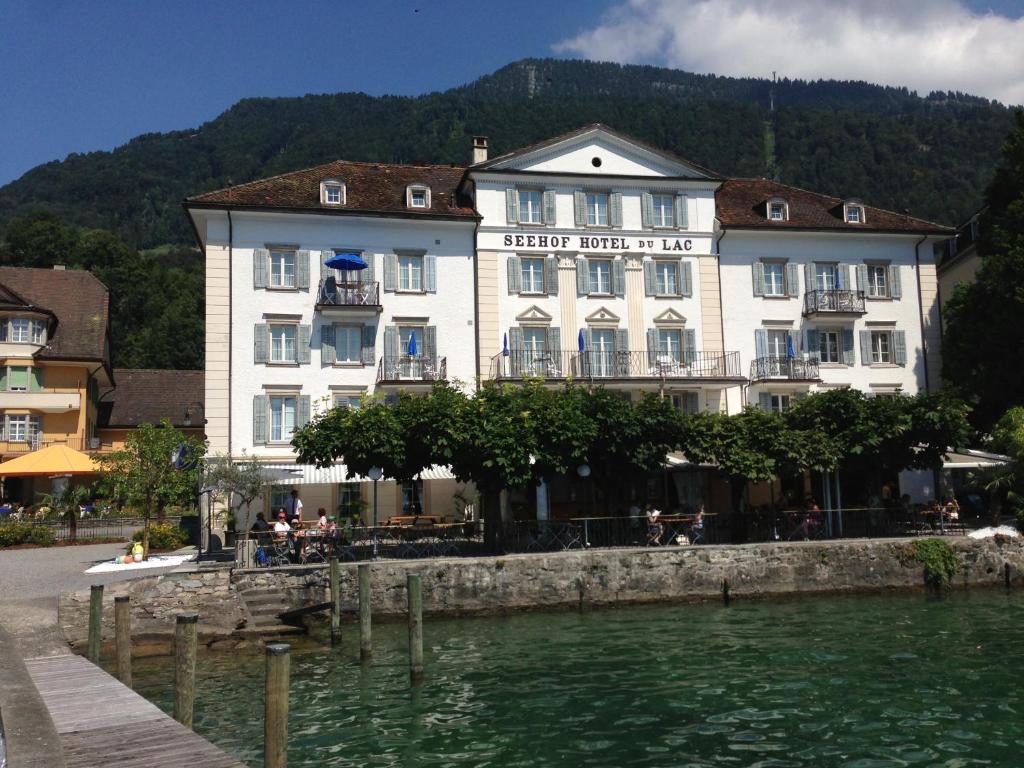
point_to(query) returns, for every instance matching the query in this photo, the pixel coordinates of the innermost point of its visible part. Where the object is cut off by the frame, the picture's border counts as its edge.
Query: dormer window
(22, 330)
(778, 210)
(417, 196)
(332, 192)
(853, 212)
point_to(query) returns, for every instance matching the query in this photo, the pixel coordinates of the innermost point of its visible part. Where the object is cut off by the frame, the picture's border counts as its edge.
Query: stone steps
(264, 606)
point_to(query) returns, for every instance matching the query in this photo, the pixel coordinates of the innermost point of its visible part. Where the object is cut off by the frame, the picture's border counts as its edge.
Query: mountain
(932, 155)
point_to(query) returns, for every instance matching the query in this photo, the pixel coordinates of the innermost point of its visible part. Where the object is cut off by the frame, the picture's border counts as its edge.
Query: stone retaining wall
(557, 580)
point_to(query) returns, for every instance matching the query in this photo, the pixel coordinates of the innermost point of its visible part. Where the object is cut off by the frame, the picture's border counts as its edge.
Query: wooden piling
(275, 714)
(95, 622)
(123, 638)
(725, 591)
(365, 616)
(185, 630)
(335, 602)
(414, 589)
(1006, 574)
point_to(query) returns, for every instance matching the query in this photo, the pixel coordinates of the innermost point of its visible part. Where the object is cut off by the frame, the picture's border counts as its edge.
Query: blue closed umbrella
(412, 344)
(504, 345)
(580, 342)
(347, 262)
(790, 352)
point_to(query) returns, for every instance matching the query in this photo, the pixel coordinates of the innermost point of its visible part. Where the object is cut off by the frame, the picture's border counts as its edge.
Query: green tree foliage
(984, 346)
(240, 481)
(67, 503)
(1005, 482)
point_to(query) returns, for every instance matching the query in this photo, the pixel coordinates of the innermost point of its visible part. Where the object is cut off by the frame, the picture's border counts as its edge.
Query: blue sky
(80, 76)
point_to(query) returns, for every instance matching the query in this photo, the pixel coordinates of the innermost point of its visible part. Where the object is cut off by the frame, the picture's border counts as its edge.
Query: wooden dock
(102, 723)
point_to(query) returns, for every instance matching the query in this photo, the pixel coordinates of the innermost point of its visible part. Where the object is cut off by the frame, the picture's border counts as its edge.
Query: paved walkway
(31, 579)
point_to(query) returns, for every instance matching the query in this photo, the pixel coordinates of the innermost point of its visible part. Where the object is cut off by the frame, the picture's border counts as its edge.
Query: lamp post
(583, 470)
(375, 474)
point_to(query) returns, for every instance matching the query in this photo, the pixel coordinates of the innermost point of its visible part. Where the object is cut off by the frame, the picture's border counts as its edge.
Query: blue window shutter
(686, 275)
(843, 277)
(368, 275)
(303, 343)
(511, 206)
(809, 284)
(551, 275)
(758, 278)
(692, 403)
(515, 339)
(430, 342)
(764, 401)
(582, 276)
(553, 338)
(325, 271)
(515, 275)
(260, 406)
(580, 207)
(647, 210)
(813, 343)
(328, 352)
(849, 357)
(390, 270)
(650, 278)
(368, 348)
(549, 207)
(862, 277)
(865, 347)
(615, 209)
(652, 347)
(391, 343)
(302, 410)
(682, 214)
(689, 345)
(895, 288)
(619, 277)
(430, 274)
(302, 270)
(260, 333)
(792, 280)
(760, 343)
(260, 266)
(899, 339)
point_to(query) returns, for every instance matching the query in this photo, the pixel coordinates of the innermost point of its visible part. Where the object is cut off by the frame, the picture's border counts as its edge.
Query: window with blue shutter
(368, 350)
(260, 265)
(430, 274)
(515, 275)
(328, 354)
(551, 275)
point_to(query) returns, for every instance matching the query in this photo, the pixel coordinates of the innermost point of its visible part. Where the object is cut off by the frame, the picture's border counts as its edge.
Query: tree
(231, 479)
(984, 346)
(141, 474)
(67, 504)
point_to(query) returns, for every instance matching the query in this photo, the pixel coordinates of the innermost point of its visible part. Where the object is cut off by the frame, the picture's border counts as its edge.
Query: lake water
(859, 682)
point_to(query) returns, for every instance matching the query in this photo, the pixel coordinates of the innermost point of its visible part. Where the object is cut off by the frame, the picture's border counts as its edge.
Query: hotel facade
(588, 257)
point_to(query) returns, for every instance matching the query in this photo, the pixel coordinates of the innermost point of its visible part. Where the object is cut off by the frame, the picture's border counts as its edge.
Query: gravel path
(31, 579)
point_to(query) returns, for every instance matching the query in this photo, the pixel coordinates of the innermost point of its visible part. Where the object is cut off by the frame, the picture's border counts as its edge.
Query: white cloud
(922, 44)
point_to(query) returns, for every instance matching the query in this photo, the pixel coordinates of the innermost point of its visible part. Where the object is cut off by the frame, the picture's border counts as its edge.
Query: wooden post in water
(725, 591)
(335, 602)
(275, 713)
(123, 638)
(95, 622)
(365, 617)
(1006, 574)
(185, 667)
(414, 588)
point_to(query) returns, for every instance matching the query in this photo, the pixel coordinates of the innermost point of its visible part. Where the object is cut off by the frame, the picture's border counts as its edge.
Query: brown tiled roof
(369, 188)
(743, 203)
(148, 395)
(77, 299)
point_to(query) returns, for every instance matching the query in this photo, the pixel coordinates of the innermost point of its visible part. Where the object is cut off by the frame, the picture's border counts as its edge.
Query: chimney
(58, 267)
(479, 149)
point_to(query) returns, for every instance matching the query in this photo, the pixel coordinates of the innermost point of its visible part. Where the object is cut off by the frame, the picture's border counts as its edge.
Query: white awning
(969, 459)
(309, 474)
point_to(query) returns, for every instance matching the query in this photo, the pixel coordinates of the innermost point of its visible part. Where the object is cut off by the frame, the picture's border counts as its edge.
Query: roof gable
(596, 150)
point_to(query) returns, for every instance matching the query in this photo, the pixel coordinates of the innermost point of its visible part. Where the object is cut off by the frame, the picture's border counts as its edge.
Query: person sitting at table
(697, 529)
(654, 528)
(321, 522)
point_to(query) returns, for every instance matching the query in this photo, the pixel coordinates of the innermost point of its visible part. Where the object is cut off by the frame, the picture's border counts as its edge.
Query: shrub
(164, 536)
(25, 533)
(939, 561)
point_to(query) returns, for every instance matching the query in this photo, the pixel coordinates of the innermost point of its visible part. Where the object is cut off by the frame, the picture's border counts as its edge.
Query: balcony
(348, 299)
(784, 369)
(47, 402)
(616, 365)
(411, 369)
(35, 442)
(834, 303)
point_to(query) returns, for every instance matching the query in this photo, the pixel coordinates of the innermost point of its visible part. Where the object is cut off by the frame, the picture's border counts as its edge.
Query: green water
(860, 682)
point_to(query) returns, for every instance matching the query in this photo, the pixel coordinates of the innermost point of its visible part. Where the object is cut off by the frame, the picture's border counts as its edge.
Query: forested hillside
(931, 155)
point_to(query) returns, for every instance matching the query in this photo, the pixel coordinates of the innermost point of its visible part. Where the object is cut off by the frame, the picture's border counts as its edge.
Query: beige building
(958, 258)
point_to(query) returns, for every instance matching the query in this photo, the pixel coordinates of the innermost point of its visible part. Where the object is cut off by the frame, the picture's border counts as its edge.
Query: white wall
(450, 308)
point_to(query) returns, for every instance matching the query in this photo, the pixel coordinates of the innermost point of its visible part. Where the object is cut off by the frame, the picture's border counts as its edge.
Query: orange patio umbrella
(51, 461)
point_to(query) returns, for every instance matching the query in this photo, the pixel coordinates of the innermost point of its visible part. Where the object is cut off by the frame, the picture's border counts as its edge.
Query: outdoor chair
(280, 551)
(330, 291)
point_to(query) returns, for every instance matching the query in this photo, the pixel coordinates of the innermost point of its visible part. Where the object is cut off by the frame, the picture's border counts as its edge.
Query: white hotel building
(589, 257)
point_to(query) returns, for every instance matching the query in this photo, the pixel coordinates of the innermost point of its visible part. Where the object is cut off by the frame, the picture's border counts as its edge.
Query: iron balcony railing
(792, 368)
(360, 294)
(620, 364)
(412, 368)
(36, 441)
(835, 302)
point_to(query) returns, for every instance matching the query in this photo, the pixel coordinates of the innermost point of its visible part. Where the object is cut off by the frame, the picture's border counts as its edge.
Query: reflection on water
(865, 682)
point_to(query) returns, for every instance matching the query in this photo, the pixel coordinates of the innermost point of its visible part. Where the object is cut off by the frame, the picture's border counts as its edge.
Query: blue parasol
(580, 342)
(346, 261)
(411, 349)
(790, 352)
(504, 345)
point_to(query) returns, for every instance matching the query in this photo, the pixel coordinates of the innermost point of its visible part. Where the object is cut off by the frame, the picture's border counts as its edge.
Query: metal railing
(359, 294)
(784, 368)
(89, 528)
(619, 364)
(834, 301)
(412, 368)
(35, 442)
